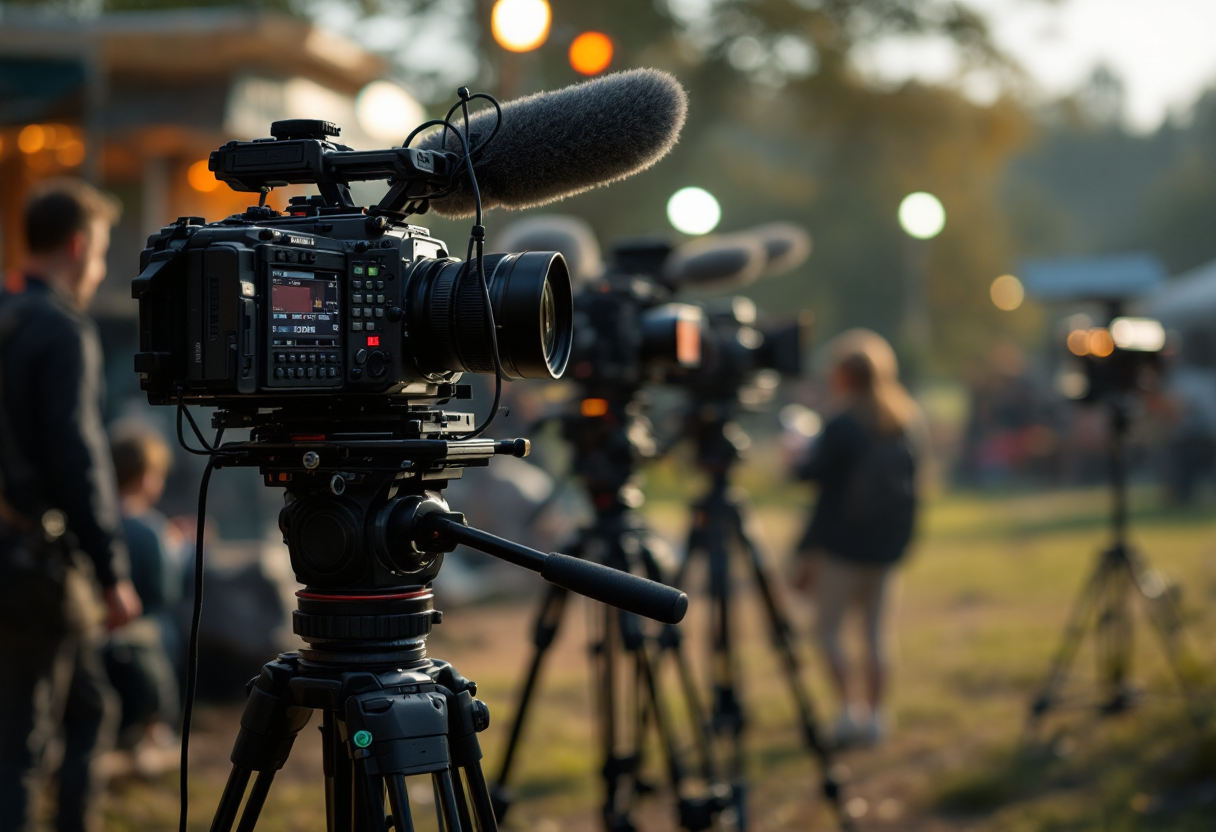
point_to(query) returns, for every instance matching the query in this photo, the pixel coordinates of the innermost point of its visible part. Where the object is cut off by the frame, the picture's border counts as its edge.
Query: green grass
(978, 613)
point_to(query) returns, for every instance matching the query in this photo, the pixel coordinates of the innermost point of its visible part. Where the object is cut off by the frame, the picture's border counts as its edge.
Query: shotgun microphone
(552, 145)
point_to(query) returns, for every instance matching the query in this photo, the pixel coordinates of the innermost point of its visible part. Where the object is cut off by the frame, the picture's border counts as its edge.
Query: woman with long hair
(864, 463)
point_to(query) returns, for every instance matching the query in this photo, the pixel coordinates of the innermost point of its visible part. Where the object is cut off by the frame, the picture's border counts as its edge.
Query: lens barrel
(533, 305)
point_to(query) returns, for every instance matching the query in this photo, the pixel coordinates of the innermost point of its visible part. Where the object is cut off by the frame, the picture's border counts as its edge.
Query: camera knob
(395, 313)
(377, 364)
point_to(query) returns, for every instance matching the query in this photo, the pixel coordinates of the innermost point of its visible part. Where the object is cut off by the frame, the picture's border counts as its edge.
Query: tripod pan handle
(616, 588)
(603, 583)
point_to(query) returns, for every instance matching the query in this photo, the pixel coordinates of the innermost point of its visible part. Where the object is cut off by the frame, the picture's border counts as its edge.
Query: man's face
(93, 260)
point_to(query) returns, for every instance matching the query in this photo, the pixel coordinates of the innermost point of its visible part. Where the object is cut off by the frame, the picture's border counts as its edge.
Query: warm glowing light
(1078, 342)
(201, 178)
(592, 408)
(32, 138)
(1007, 293)
(591, 53)
(693, 211)
(70, 153)
(520, 25)
(387, 112)
(922, 216)
(1100, 342)
(1138, 334)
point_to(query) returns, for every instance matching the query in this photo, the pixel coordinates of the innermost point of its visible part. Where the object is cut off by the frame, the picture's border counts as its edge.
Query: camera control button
(280, 357)
(291, 357)
(360, 356)
(332, 372)
(379, 298)
(299, 372)
(357, 326)
(311, 372)
(379, 311)
(370, 326)
(356, 312)
(356, 373)
(356, 298)
(367, 311)
(378, 365)
(280, 372)
(312, 358)
(356, 284)
(379, 284)
(333, 358)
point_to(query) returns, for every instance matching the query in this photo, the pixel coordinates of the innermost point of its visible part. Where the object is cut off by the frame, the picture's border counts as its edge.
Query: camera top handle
(302, 153)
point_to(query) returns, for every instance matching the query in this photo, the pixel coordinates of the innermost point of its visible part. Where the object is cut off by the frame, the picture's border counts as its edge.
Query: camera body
(331, 300)
(744, 360)
(276, 308)
(1122, 358)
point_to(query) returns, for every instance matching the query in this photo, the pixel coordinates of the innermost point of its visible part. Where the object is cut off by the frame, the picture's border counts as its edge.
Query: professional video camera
(1121, 358)
(336, 334)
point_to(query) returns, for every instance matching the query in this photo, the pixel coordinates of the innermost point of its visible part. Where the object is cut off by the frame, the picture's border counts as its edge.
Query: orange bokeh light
(1100, 343)
(32, 138)
(1078, 342)
(201, 178)
(591, 53)
(70, 153)
(592, 408)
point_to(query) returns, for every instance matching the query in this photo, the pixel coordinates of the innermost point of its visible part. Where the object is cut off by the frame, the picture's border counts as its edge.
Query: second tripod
(718, 534)
(627, 660)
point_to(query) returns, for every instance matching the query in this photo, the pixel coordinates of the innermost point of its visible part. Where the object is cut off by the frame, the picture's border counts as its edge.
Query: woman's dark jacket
(867, 499)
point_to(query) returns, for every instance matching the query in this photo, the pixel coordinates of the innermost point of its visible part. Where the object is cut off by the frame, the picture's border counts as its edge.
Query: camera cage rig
(364, 519)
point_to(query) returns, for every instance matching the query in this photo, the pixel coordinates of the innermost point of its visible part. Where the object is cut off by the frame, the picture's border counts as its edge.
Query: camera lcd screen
(304, 305)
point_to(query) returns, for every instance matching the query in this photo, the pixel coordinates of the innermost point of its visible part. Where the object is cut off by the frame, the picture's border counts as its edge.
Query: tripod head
(367, 526)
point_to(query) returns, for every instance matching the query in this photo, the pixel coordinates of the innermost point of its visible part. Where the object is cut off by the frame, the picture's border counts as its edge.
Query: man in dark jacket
(60, 538)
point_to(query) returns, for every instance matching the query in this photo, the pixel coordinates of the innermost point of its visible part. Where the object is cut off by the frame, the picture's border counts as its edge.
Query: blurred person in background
(141, 657)
(864, 463)
(60, 535)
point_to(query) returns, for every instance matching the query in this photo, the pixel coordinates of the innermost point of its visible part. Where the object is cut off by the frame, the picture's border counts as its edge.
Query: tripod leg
(619, 771)
(1074, 631)
(230, 801)
(484, 817)
(1114, 633)
(548, 619)
(783, 641)
(399, 804)
(257, 798)
(727, 711)
(1164, 615)
(339, 778)
(447, 804)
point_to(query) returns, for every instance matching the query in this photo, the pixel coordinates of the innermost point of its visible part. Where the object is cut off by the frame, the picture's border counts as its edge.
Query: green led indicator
(363, 738)
(372, 271)
(358, 270)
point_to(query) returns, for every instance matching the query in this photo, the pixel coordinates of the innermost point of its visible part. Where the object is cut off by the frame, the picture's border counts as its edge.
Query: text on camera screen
(303, 303)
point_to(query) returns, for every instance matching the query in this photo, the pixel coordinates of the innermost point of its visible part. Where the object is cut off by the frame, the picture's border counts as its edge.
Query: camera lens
(533, 315)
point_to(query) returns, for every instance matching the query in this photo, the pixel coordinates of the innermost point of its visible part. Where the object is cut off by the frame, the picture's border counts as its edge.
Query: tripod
(617, 538)
(718, 531)
(1105, 600)
(367, 528)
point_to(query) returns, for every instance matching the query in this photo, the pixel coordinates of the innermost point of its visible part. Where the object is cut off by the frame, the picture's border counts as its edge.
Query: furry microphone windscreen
(571, 236)
(716, 262)
(557, 144)
(786, 246)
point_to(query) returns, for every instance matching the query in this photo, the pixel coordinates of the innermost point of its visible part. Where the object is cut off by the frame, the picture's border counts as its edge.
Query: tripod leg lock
(398, 733)
(271, 719)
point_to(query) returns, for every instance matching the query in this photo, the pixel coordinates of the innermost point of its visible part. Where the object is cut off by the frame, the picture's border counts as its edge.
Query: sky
(1164, 50)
